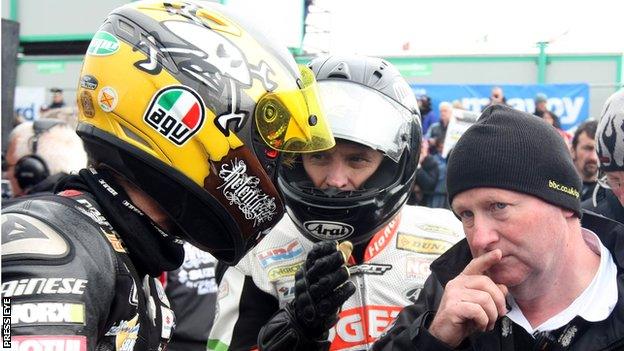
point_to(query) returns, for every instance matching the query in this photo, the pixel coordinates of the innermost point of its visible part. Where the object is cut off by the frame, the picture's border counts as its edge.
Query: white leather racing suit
(394, 269)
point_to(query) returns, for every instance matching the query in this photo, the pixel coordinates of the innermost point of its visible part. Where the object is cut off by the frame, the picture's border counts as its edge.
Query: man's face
(529, 232)
(497, 95)
(446, 112)
(346, 166)
(586, 158)
(616, 182)
(11, 160)
(541, 106)
(57, 97)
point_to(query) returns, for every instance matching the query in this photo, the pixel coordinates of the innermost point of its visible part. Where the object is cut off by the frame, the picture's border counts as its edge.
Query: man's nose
(337, 176)
(483, 234)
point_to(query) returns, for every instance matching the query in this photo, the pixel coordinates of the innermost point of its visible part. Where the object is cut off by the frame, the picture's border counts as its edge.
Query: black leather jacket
(410, 329)
(71, 283)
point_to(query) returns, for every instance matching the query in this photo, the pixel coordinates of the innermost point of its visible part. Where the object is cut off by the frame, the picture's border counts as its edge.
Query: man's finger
(482, 263)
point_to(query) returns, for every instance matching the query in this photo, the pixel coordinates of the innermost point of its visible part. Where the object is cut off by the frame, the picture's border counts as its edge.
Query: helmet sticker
(103, 44)
(204, 55)
(86, 104)
(327, 230)
(176, 112)
(242, 190)
(107, 99)
(88, 82)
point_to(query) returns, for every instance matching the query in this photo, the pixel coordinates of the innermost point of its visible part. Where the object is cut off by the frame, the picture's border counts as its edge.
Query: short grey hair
(60, 147)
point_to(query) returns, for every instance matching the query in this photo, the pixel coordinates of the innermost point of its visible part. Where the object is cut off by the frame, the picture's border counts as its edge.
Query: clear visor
(365, 116)
(294, 121)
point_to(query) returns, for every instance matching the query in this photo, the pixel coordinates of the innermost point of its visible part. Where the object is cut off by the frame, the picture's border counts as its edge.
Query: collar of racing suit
(150, 248)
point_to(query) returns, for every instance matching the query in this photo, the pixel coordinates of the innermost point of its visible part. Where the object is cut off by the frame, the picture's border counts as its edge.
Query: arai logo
(326, 230)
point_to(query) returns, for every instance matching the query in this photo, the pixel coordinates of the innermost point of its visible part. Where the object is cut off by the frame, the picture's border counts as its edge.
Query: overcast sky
(382, 27)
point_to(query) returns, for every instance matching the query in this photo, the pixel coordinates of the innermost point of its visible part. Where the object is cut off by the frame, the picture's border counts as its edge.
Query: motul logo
(325, 230)
(49, 343)
(361, 326)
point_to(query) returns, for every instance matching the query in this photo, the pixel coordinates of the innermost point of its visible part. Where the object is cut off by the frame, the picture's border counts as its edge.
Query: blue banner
(568, 101)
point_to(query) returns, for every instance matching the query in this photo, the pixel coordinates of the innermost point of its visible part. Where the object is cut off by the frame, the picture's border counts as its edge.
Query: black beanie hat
(513, 150)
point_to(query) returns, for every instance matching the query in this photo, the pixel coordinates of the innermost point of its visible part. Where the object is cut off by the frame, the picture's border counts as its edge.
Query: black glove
(321, 287)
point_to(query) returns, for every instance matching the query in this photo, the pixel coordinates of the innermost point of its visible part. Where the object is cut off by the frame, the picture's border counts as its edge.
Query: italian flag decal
(176, 112)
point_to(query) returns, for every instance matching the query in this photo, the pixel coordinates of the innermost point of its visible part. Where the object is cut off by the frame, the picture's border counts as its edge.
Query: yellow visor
(294, 121)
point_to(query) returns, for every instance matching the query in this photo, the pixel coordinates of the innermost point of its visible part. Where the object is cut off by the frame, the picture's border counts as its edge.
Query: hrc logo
(290, 251)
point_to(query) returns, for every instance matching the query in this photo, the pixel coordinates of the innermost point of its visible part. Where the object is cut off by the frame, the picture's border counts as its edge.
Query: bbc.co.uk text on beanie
(514, 150)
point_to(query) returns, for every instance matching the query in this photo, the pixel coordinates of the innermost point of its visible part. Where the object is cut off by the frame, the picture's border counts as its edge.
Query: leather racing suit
(394, 268)
(71, 283)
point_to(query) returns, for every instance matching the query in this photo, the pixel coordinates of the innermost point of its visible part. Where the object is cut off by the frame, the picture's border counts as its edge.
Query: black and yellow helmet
(193, 105)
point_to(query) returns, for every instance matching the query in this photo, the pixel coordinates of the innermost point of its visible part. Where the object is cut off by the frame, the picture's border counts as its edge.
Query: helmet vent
(340, 71)
(135, 137)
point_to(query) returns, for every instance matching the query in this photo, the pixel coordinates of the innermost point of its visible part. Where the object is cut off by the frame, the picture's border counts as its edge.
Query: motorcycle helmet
(366, 102)
(610, 134)
(194, 106)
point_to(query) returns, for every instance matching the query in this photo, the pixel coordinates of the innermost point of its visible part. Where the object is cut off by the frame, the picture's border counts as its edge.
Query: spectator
(585, 156)
(427, 176)
(439, 128)
(528, 276)
(428, 115)
(497, 97)
(541, 105)
(438, 198)
(58, 100)
(40, 153)
(610, 140)
(352, 192)
(553, 120)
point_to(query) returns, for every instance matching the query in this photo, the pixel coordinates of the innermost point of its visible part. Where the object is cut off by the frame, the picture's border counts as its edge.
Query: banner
(568, 101)
(28, 102)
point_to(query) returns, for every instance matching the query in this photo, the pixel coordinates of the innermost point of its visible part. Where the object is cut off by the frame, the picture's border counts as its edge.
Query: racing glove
(321, 287)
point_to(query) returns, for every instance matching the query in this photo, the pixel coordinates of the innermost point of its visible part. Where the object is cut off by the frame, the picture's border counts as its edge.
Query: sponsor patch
(23, 235)
(107, 99)
(44, 286)
(417, 268)
(280, 272)
(437, 229)
(422, 245)
(243, 191)
(88, 82)
(358, 327)
(103, 44)
(126, 333)
(47, 313)
(86, 104)
(177, 112)
(370, 268)
(327, 230)
(288, 252)
(563, 188)
(167, 322)
(286, 292)
(49, 343)
(115, 242)
(381, 239)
